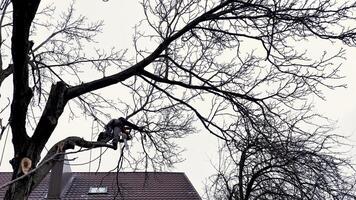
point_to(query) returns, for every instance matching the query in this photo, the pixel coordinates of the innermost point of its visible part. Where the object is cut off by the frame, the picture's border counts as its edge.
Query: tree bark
(23, 14)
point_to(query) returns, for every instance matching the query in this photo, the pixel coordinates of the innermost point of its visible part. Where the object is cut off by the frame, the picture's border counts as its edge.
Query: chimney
(60, 177)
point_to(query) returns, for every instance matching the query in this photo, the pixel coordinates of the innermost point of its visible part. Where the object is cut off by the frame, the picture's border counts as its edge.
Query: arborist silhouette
(118, 130)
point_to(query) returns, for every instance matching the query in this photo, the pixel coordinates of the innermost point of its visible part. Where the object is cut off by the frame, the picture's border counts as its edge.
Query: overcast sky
(119, 18)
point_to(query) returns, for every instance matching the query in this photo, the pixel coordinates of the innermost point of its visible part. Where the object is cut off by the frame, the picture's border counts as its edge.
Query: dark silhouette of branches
(240, 68)
(283, 165)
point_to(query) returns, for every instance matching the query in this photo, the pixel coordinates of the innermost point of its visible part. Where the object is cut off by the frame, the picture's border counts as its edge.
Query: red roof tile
(132, 185)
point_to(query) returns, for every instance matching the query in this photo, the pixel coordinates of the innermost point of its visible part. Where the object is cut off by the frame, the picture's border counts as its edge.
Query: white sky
(119, 18)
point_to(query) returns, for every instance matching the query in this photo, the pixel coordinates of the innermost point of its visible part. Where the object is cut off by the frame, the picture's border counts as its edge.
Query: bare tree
(203, 53)
(282, 165)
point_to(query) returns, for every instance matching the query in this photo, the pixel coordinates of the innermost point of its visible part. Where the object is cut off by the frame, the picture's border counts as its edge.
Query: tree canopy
(246, 61)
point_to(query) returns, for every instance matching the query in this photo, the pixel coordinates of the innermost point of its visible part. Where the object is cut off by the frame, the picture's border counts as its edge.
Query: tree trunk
(20, 189)
(23, 15)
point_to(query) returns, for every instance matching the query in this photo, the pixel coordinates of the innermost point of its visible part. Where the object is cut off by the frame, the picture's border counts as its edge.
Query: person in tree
(118, 130)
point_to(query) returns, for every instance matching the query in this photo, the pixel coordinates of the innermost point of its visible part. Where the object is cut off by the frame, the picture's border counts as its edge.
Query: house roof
(39, 193)
(132, 185)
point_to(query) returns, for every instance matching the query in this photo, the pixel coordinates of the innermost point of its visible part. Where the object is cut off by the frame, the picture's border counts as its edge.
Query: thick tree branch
(136, 69)
(49, 118)
(54, 155)
(208, 88)
(62, 146)
(6, 73)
